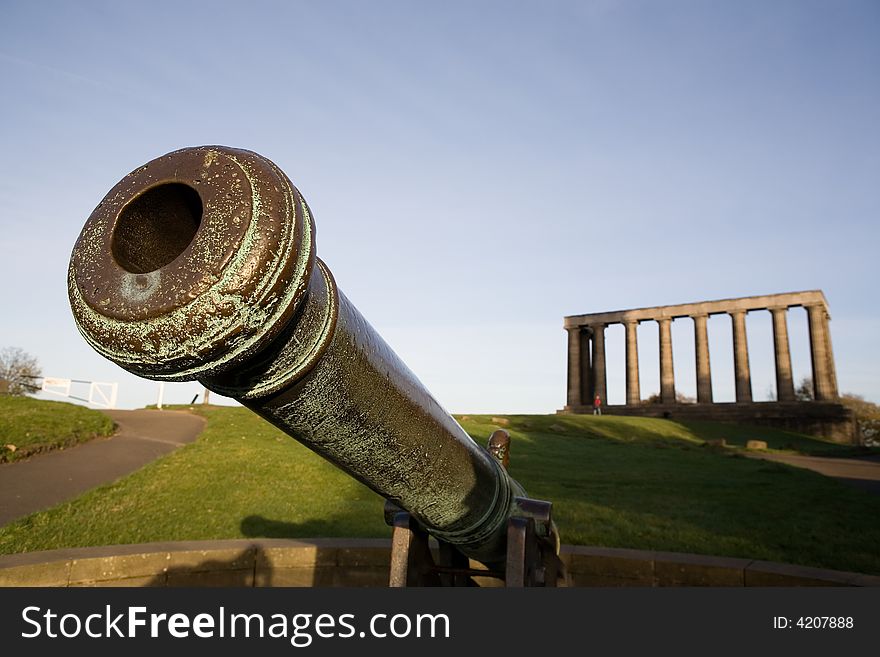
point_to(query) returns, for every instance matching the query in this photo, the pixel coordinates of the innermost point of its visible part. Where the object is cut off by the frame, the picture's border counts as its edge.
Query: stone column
(586, 369)
(704, 371)
(832, 370)
(575, 373)
(823, 386)
(741, 357)
(667, 374)
(782, 355)
(633, 395)
(599, 379)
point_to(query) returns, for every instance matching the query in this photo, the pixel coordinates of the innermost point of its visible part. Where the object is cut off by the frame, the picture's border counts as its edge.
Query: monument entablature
(719, 307)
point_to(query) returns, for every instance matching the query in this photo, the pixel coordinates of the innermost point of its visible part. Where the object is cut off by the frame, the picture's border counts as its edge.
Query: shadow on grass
(260, 527)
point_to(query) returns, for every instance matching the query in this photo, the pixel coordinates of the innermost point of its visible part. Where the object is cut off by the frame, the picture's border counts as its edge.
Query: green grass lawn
(614, 481)
(32, 426)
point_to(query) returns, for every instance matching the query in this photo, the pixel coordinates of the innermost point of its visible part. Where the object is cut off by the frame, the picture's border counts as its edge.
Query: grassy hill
(614, 481)
(30, 426)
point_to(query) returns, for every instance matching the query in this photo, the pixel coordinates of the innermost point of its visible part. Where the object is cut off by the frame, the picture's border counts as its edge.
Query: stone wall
(364, 562)
(822, 419)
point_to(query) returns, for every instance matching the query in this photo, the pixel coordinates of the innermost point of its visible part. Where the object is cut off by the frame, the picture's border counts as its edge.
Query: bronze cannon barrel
(201, 265)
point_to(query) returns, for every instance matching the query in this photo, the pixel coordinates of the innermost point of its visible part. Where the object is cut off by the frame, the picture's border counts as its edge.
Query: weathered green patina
(201, 265)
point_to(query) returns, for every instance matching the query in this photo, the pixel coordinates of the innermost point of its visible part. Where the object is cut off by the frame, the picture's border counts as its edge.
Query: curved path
(863, 471)
(48, 479)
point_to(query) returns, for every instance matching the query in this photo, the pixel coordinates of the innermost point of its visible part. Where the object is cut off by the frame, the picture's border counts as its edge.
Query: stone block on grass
(768, 573)
(672, 569)
(594, 566)
(98, 569)
(300, 556)
(216, 578)
(55, 573)
(126, 582)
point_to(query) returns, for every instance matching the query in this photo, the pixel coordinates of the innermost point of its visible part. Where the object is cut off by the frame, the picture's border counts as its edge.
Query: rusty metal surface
(499, 447)
(223, 295)
(246, 308)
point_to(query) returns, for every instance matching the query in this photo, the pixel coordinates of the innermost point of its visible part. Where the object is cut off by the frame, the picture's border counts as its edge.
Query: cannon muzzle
(201, 265)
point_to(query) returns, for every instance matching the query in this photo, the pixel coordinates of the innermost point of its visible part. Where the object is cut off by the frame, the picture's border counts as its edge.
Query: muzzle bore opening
(156, 227)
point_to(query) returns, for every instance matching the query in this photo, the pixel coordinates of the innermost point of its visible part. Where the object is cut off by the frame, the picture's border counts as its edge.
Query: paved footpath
(48, 479)
(863, 471)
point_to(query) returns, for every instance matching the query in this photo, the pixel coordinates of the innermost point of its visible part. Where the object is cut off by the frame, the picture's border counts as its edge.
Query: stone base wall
(364, 563)
(827, 420)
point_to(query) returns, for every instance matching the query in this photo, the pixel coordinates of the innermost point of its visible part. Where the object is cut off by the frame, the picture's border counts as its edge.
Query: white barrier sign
(103, 394)
(56, 385)
(100, 393)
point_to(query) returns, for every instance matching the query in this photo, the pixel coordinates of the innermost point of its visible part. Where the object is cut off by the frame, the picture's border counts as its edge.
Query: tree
(680, 398)
(19, 372)
(867, 418)
(804, 391)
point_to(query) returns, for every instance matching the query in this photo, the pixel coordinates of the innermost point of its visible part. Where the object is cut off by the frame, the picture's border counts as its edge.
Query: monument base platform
(828, 420)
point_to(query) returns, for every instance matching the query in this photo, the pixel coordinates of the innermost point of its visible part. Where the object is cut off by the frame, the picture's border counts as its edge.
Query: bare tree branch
(19, 372)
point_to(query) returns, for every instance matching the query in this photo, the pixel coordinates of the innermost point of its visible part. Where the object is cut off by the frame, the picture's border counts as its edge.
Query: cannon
(201, 265)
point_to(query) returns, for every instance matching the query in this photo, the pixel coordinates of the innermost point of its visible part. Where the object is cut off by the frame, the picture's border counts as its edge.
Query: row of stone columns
(587, 367)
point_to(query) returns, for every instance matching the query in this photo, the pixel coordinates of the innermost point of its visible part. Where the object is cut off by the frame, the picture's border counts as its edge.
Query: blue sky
(477, 170)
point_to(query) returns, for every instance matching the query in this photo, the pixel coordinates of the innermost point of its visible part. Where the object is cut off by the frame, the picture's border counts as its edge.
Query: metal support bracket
(532, 545)
(532, 551)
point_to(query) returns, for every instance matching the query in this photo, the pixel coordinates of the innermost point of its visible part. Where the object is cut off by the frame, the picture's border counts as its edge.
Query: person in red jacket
(597, 405)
